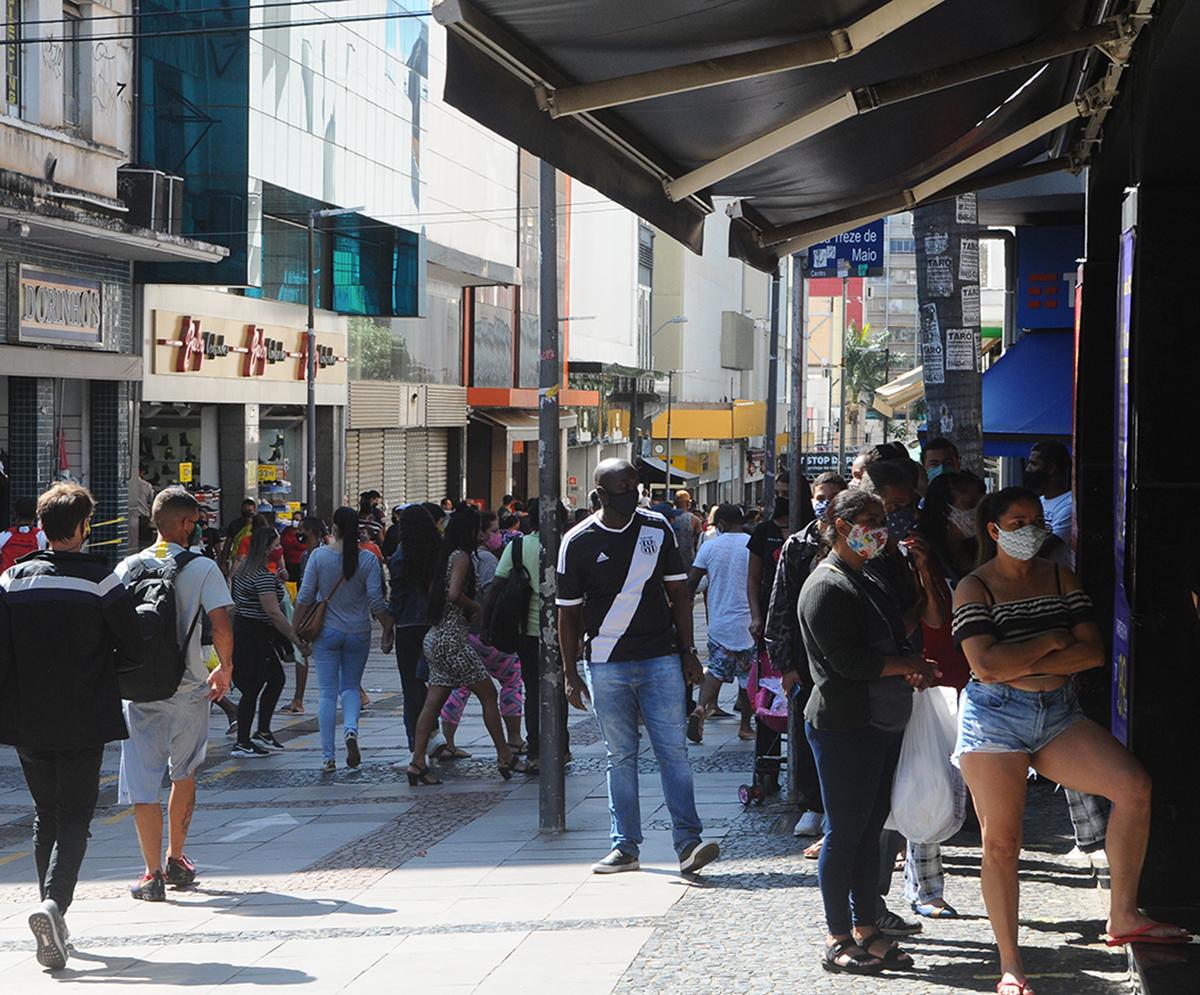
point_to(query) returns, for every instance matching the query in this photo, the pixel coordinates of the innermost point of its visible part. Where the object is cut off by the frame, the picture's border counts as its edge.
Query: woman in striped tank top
(1026, 627)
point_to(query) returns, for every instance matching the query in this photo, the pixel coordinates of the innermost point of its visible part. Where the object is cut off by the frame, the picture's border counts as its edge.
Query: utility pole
(310, 374)
(667, 455)
(799, 379)
(552, 811)
(842, 387)
(772, 396)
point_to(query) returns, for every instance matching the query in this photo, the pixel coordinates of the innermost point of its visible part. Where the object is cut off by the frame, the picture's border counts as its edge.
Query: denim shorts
(728, 665)
(996, 718)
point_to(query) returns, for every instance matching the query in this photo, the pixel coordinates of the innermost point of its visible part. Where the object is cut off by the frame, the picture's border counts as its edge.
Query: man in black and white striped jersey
(623, 597)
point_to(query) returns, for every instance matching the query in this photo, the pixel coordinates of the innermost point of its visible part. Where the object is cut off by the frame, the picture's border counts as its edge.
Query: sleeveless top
(1024, 619)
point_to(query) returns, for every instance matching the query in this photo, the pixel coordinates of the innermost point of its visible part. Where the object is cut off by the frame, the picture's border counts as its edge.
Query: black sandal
(513, 766)
(420, 775)
(859, 963)
(893, 957)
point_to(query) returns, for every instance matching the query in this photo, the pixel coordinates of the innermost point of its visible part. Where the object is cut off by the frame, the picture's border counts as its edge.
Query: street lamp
(679, 319)
(310, 348)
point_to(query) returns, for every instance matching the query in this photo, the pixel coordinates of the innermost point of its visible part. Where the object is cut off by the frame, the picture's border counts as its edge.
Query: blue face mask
(935, 471)
(901, 522)
(819, 509)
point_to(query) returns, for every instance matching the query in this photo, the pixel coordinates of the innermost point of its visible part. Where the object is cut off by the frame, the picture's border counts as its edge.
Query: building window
(12, 56)
(902, 245)
(73, 62)
(492, 345)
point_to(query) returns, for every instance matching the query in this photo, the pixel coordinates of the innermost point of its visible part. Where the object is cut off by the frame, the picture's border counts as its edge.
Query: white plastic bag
(928, 800)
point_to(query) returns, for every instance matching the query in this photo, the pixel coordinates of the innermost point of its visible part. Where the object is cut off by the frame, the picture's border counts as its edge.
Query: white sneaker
(51, 934)
(809, 825)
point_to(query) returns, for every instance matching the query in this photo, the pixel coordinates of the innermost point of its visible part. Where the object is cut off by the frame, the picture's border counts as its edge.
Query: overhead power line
(137, 15)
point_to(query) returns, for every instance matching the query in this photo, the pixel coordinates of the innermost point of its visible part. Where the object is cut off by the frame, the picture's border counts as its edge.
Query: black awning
(502, 51)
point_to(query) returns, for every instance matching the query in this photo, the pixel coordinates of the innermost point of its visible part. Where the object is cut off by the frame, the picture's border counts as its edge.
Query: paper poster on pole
(939, 273)
(970, 304)
(968, 260)
(961, 349)
(931, 346)
(936, 243)
(966, 210)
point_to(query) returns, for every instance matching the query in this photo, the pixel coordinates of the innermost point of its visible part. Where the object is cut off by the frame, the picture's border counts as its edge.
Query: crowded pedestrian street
(355, 882)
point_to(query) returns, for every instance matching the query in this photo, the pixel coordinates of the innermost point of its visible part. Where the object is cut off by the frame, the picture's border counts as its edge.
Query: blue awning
(1027, 394)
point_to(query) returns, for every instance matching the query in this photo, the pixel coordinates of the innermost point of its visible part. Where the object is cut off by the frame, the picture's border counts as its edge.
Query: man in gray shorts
(172, 735)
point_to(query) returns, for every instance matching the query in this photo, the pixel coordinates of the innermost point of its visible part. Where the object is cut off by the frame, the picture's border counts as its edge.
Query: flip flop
(292, 710)
(813, 850)
(930, 911)
(1139, 936)
(1013, 988)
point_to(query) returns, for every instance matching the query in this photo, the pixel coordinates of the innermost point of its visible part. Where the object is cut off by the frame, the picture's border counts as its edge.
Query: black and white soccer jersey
(618, 575)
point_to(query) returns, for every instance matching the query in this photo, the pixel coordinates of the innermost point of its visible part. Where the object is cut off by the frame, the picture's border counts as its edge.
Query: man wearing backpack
(59, 697)
(24, 537)
(168, 730)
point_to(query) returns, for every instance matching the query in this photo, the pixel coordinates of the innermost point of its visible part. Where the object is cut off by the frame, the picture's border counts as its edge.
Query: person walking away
(59, 698)
(504, 668)
(687, 528)
(447, 648)
(312, 535)
(411, 570)
(24, 537)
(862, 668)
(257, 669)
(622, 596)
(725, 561)
(1026, 627)
(346, 579)
(391, 538)
(171, 735)
(801, 552)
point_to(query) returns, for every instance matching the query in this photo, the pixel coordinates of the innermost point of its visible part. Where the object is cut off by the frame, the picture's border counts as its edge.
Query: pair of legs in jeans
(65, 785)
(856, 767)
(652, 690)
(340, 659)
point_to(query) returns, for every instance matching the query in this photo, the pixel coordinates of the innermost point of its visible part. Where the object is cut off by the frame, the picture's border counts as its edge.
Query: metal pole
(772, 396)
(842, 388)
(310, 351)
(667, 455)
(552, 811)
(887, 376)
(799, 377)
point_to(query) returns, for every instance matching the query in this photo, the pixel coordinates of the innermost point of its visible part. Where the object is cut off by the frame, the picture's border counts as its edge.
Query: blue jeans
(652, 689)
(340, 658)
(856, 768)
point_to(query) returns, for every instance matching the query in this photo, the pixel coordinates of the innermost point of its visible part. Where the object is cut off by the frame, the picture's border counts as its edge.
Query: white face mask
(1022, 543)
(962, 519)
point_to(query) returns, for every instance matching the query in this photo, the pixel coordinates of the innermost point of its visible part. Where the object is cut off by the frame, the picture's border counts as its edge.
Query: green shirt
(530, 551)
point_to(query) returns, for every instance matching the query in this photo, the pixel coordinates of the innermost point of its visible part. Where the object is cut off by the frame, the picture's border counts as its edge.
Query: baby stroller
(764, 688)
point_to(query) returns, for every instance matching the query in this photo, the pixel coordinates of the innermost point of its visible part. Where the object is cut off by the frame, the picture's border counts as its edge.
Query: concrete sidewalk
(356, 882)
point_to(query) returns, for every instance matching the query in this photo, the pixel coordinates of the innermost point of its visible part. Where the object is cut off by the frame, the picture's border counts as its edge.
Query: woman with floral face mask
(1026, 627)
(860, 662)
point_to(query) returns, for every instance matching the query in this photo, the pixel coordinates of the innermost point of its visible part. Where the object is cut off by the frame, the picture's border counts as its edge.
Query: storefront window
(492, 346)
(411, 350)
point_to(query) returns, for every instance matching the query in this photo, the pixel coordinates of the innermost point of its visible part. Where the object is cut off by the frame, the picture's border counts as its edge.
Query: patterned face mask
(867, 543)
(901, 521)
(1022, 543)
(962, 519)
(819, 509)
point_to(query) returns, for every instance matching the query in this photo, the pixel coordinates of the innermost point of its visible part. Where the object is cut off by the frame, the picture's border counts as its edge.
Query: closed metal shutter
(364, 461)
(437, 449)
(395, 483)
(416, 467)
(445, 406)
(352, 462)
(375, 405)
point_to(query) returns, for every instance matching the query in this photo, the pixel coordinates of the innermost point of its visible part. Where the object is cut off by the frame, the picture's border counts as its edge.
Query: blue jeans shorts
(996, 718)
(728, 665)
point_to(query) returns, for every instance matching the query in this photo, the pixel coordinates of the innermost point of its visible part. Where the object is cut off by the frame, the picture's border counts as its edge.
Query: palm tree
(866, 369)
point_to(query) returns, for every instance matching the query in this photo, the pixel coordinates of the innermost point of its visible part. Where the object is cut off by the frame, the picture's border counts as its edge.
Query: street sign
(817, 463)
(858, 252)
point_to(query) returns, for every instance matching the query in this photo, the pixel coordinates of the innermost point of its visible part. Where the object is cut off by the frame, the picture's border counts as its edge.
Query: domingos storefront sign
(198, 345)
(58, 309)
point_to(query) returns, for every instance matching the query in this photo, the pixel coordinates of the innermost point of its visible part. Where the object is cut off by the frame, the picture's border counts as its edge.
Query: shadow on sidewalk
(176, 974)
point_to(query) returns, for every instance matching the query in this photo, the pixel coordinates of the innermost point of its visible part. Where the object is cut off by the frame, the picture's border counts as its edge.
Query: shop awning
(521, 423)
(814, 118)
(904, 390)
(1027, 394)
(114, 239)
(648, 466)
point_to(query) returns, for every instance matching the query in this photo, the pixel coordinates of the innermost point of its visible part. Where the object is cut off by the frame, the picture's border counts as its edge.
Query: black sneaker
(152, 888)
(695, 726)
(696, 856)
(249, 750)
(891, 924)
(51, 934)
(180, 872)
(353, 757)
(616, 862)
(267, 741)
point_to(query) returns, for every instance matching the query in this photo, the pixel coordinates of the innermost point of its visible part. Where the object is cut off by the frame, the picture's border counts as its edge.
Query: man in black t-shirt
(623, 596)
(766, 543)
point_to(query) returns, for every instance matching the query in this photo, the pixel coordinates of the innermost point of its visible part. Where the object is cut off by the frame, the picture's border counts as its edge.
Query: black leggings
(408, 655)
(529, 653)
(257, 673)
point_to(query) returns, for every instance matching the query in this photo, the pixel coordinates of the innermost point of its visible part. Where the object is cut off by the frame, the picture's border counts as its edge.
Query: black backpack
(151, 584)
(512, 605)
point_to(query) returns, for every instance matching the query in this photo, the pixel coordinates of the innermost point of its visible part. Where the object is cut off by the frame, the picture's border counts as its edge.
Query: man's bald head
(611, 470)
